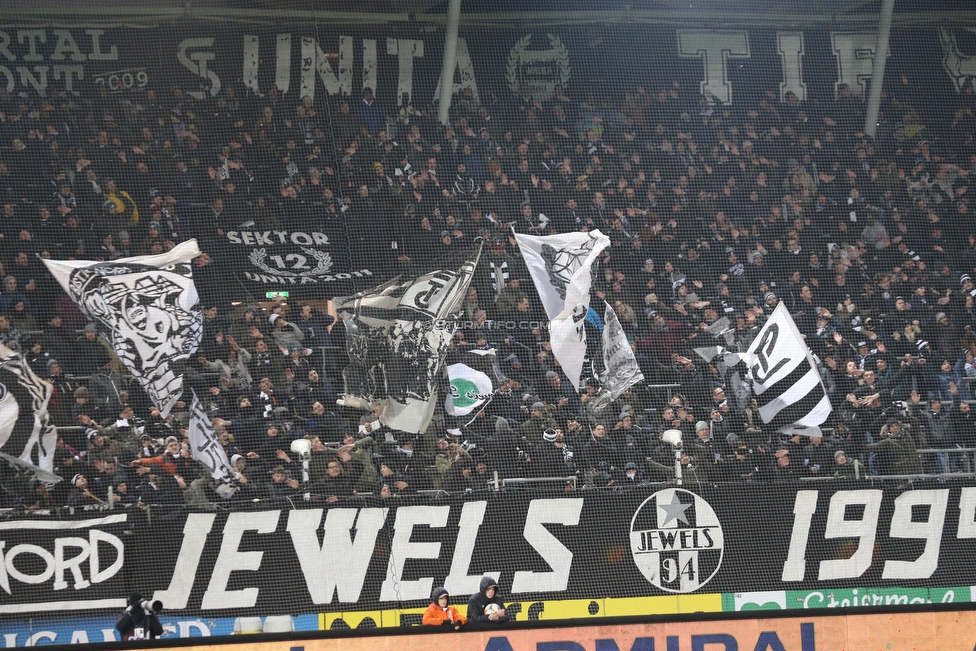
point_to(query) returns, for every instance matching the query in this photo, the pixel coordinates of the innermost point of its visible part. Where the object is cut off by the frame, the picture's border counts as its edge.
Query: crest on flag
(397, 337)
(147, 308)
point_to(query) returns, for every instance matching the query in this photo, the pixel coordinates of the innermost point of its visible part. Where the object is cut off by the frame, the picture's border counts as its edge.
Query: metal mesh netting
(728, 170)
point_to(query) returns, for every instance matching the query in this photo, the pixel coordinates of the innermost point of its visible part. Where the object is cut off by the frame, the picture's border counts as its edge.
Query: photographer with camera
(140, 621)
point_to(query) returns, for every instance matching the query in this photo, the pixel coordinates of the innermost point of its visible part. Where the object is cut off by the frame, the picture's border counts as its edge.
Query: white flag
(206, 449)
(397, 336)
(471, 377)
(26, 431)
(148, 309)
(620, 366)
(560, 268)
(791, 395)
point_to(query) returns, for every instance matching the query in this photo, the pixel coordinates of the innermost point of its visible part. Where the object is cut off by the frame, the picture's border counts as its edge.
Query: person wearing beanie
(539, 421)
(80, 495)
(848, 469)
(439, 613)
(547, 459)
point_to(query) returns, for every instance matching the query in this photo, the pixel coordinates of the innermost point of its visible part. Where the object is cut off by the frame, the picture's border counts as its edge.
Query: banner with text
(761, 543)
(728, 65)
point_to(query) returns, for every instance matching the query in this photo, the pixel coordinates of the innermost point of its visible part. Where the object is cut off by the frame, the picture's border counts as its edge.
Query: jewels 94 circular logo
(676, 540)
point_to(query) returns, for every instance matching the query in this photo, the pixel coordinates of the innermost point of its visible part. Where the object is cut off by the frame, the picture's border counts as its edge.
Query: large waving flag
(791, 395)
(148, 309)
(398, 335)
(560, 266)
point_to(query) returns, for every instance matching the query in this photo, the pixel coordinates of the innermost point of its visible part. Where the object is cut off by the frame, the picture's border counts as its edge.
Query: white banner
(785, 379)
(620, 366)
(148, 309)
(560, 266)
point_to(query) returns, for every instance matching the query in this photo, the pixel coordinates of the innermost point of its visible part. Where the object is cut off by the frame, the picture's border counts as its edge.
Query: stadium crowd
(713, 212)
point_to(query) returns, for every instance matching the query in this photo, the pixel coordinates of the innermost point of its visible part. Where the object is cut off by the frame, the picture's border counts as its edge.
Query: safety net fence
(652, 318)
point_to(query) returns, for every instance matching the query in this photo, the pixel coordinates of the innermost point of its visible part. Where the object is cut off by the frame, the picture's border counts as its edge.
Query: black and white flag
(560, 266)
(397, 336)
(206, 449)
(147, 308)
(26, 431)
(620, 365)
(473, 377)
(784, 377)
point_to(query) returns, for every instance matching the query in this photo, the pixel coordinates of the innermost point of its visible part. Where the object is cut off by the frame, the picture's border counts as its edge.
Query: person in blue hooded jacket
(486, 606)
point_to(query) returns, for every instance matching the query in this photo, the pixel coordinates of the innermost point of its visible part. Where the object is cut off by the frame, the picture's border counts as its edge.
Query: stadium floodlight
(303, 448)
(673, 438)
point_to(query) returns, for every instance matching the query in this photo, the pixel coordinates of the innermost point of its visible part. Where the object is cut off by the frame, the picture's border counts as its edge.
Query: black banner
(732, 65)
(639, 543)
(313, 262)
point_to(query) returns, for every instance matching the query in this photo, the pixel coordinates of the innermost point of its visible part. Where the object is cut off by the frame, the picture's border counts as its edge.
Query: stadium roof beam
(450, 60)
(714, 13)
(877, 76)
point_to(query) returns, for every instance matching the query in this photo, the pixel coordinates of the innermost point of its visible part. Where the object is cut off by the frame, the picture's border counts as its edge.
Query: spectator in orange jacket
(174, 460)
(439, 613)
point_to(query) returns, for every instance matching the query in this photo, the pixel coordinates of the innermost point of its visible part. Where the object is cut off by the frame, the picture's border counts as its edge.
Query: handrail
(539, 480)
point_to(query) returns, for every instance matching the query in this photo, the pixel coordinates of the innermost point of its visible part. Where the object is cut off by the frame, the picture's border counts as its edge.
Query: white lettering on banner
(282, 63)
(231, 560)
(560, 559)
(804, 507)
(66, 44)
(59, 562)
(32, 36)
(401, 549)
(271, 238)
(902, 526)
(865, 529)
(369, 63)
(405, 49)
(458, 581)
(65, 48)
(855, 53)
(791, 50)
(967, 513)
(196, 62)
(315, 60)
(960, 67)
(339, 564)
(250, 59)
(465, 72)
(195, 531)
(714, 48)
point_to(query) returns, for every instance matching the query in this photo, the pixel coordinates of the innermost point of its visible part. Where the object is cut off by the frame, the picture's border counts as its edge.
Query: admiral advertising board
(914, 631)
